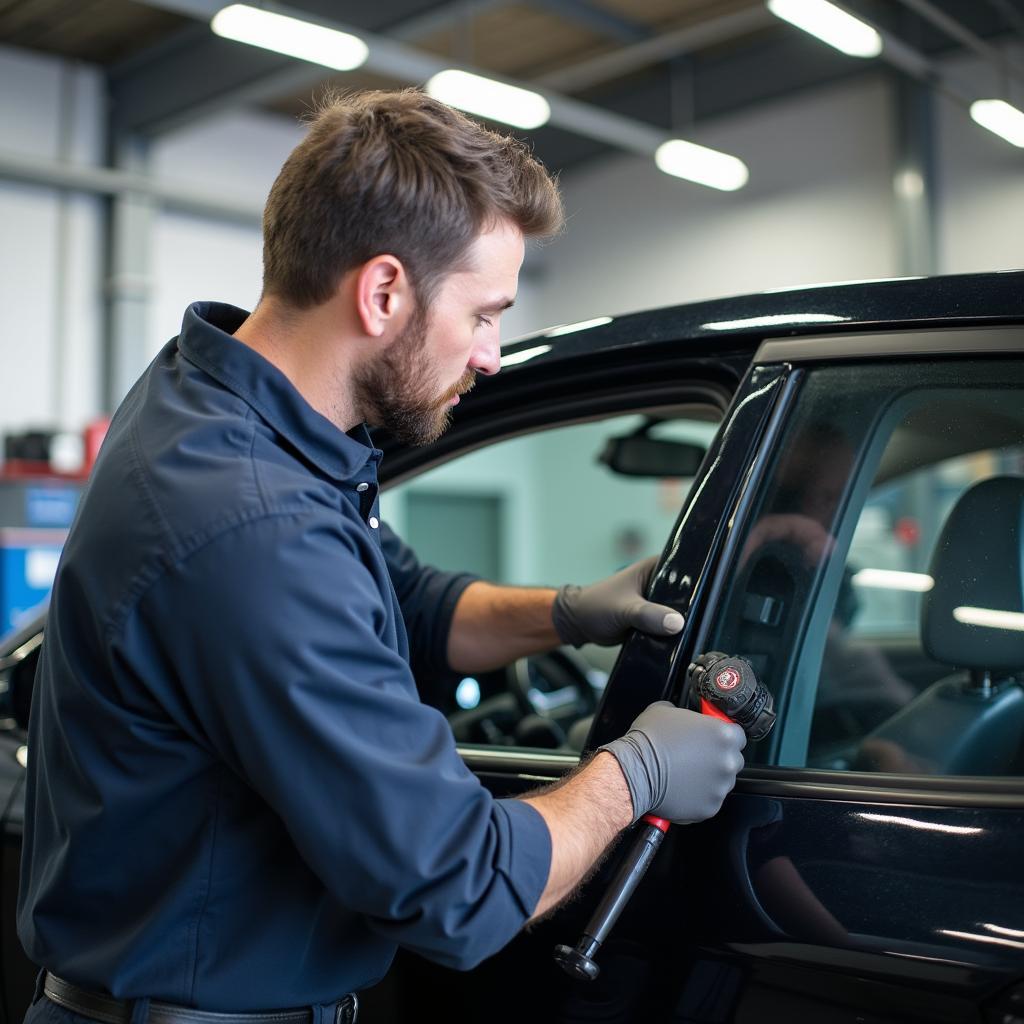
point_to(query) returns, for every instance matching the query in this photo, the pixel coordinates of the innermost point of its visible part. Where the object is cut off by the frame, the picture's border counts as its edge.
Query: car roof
(741, 322)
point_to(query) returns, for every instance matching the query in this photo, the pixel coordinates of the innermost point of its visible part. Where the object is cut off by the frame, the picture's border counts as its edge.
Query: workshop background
(137, 147)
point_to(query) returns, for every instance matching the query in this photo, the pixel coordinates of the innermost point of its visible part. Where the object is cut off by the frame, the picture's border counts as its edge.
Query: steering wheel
(541, 697)
(553, 684)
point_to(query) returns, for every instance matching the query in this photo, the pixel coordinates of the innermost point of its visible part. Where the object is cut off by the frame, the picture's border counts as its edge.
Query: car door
(535, 440)
(869, 864)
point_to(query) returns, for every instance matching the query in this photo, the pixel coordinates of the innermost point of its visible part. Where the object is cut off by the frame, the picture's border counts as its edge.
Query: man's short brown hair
(398, 173)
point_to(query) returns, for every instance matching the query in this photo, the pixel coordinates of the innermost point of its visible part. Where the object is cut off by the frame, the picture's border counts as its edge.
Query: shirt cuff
(526, 839)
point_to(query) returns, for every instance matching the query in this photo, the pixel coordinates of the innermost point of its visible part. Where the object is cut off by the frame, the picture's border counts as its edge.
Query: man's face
(412, 387)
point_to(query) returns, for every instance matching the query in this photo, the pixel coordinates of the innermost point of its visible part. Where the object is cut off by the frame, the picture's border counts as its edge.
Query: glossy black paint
(870, 894)
(813, 896)
(739, 322)
(650, 664)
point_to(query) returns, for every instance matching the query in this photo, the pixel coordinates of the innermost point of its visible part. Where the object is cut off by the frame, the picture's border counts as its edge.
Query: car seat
(971, 722)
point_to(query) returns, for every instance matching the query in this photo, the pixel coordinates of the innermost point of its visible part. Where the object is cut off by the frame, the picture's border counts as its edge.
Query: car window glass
(879, 587)
(543, 510)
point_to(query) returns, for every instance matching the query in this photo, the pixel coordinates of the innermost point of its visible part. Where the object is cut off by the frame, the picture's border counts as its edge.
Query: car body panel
(814, 895)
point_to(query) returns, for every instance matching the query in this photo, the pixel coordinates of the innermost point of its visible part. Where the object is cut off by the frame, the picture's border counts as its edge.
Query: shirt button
(362, 487)
(374, 523)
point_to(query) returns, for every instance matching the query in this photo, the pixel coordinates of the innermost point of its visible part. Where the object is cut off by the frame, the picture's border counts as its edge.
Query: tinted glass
(879, 588)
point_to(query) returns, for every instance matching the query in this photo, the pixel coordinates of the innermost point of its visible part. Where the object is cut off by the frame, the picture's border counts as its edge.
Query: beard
(400, 391)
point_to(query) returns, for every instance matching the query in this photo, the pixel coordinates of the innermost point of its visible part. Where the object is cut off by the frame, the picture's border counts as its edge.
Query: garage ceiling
(660, 63)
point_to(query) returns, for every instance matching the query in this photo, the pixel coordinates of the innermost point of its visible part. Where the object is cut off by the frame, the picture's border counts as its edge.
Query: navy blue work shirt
(236, 800)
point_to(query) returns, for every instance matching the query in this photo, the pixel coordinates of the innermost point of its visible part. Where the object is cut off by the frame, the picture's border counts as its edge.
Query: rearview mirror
(640, 455)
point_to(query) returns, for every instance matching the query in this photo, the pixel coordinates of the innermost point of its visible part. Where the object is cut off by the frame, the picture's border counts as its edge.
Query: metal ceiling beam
(598, 20)
(192, 77)
(105, 182)
(903, 57)
(956, 30)
(440, 19)
(387, 57)
(664, 46)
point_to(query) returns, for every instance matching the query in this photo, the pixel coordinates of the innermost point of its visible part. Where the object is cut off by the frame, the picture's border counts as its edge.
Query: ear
(382, 293)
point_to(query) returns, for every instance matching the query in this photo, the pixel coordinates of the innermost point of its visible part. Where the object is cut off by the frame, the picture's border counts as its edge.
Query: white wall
(50, 283)
(981, 226)
(194, 258)
(818, 208)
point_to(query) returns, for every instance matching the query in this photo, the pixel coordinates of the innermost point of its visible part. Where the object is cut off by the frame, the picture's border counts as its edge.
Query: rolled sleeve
(527, 845)
(428, 597)
(300, 689)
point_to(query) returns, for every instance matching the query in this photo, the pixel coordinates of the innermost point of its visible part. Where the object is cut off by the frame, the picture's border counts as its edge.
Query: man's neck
(302, 345)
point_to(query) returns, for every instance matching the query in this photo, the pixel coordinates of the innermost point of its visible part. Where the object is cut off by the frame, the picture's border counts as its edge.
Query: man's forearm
(492, 626)
(583, 815)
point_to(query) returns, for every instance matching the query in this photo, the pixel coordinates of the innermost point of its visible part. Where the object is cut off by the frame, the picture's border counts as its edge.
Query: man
(236, 801)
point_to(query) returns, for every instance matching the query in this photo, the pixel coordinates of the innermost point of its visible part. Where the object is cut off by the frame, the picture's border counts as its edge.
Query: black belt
(119, 1011)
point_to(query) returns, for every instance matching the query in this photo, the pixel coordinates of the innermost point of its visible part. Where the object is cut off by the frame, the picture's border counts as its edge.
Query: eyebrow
(497, 305)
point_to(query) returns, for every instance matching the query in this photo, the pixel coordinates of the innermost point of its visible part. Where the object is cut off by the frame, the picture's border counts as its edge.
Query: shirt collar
(206, 341)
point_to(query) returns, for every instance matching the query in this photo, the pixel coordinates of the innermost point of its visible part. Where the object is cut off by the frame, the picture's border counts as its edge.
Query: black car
(835, 479)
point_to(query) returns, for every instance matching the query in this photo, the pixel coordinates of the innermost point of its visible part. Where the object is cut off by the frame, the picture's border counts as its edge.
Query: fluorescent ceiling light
(1000, 117)
(702, 165)
(488, 98)
(774, 320)
(290, 36)
(1000, 930)
(890, 579)
(527, 354)
(989, 617)
(831, 25)
(583, 325)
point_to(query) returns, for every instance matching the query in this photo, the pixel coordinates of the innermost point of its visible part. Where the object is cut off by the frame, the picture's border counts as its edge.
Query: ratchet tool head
(729, 685)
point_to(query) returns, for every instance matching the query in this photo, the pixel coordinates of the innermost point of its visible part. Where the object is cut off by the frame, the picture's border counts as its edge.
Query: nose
(486, 357)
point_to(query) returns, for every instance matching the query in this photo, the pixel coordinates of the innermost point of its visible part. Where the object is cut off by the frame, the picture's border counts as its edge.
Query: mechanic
(236, 801)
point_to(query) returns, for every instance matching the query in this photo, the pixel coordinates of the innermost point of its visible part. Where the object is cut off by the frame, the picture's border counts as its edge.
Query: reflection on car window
(544, 509)
(879, 588)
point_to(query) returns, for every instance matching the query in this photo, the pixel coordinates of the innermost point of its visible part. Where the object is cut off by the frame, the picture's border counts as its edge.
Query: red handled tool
(729, 690)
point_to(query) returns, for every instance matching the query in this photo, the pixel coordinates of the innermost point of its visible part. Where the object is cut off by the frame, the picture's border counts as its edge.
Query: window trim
(942, 342)
(875, 787)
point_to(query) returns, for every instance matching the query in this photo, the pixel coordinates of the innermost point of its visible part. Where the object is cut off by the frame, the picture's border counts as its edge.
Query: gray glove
(606, 611)
(678, 764)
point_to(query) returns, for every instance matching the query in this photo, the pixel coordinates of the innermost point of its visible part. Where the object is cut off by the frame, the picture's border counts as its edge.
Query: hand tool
(727, 689)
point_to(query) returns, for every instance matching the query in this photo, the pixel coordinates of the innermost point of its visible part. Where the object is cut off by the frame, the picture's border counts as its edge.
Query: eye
(483, 321)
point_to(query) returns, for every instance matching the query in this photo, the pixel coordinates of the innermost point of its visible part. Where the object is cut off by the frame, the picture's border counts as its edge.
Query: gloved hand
(678, 764)
(606, 611)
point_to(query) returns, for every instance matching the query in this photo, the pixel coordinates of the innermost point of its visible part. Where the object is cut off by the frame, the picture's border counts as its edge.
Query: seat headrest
(978, 568)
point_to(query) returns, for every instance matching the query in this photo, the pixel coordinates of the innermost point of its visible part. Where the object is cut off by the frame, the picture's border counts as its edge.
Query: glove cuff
(627, 752)
(564, 619)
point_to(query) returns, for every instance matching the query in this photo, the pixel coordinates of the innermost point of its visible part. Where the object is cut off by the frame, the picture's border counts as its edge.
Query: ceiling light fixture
(830, 24)
(702, 165)
(290, 36)
(1000, 117)
(487, 98)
